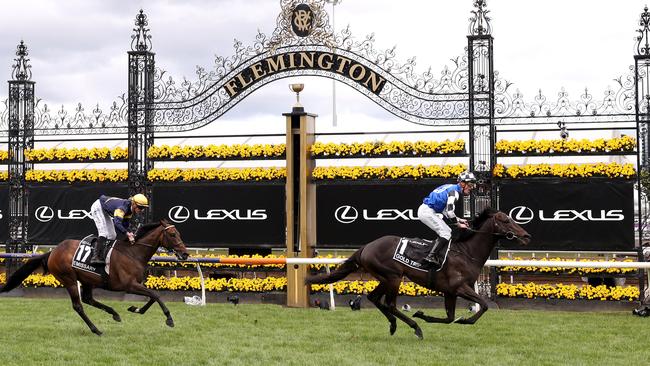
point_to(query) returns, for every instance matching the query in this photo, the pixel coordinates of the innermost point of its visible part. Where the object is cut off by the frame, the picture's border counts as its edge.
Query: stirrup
(98, 254)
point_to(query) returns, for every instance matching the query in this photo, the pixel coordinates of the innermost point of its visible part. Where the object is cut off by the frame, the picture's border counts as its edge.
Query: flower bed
(219, 174)
(572, 292)
(80, 175)
(516, 147)
(605, 170)
(564, 270)
(268, 284)
(74, 154)
(386, 149)
(384, 172)
(166, 152)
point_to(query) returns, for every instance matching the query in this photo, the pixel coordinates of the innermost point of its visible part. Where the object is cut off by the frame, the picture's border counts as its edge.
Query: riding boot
(431, 257)
(98, 251)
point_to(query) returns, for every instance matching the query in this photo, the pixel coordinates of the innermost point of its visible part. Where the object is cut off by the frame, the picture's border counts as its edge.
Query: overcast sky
(78, 48)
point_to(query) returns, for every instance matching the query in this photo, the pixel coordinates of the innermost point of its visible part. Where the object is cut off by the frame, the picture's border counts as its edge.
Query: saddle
(412, 251)
(81, 258)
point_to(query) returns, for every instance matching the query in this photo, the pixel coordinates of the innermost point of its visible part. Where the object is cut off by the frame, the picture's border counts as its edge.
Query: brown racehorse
(127, 266)
(460, 271)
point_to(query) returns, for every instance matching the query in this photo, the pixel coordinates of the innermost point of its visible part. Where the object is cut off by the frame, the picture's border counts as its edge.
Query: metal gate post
(21, 137)
(140, 113)
(642, 111)
(480, 64)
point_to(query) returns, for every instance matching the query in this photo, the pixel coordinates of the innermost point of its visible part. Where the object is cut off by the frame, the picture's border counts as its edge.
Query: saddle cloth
(412, 251)
(81, 258)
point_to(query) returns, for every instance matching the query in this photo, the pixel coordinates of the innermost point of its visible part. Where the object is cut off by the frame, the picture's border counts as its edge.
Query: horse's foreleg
(450, 308)
(468, 293)
(87, 298)
(375, 297)
(140, 289)
(143, 309)
(76, 305)
(391, 304)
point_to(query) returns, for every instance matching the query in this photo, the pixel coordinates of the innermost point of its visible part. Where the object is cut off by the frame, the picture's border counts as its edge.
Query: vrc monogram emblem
(302, 19)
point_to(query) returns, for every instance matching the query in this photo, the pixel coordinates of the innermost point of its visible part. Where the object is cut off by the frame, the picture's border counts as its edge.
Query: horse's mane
(479, 220)
(145, 229)
(482, 217)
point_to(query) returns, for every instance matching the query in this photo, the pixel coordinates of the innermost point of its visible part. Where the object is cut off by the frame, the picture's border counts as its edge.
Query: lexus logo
(346, 214)
(179, 214)
(521, 215)
(44, 214)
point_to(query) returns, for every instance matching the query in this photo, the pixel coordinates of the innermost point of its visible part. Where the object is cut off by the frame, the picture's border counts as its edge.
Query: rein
(508, 235)
(151, 245)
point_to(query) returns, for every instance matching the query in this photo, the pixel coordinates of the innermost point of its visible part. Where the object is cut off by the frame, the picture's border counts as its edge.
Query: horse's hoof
(97, 331)
(133, 309)
(418, 333)
(170, 322)
(418, 314)
(117, 318)
(393, 328)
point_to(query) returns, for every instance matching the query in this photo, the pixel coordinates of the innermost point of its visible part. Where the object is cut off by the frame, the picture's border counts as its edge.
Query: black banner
(572, 216)
(224, 215)
(353, 215)
(58, 212)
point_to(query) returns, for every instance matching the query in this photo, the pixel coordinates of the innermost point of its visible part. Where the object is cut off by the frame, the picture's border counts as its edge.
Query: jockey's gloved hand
(131, 237)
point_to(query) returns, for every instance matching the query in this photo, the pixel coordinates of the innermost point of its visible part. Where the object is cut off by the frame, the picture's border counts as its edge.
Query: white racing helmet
(467, 177)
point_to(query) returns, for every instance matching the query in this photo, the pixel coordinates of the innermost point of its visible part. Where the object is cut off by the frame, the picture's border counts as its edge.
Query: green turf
(48, 332)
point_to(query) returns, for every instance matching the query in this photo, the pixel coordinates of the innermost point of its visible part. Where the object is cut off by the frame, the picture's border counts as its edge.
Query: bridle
(509, 235)
(165, 228)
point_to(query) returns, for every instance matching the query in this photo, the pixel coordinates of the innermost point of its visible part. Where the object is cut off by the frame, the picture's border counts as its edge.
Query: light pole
(334, 3)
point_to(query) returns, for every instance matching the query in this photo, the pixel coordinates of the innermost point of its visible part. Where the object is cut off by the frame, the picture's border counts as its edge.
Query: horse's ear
(164, 222)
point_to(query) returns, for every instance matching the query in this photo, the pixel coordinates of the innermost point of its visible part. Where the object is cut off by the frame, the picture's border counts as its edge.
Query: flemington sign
(304, 21)
(313, 60)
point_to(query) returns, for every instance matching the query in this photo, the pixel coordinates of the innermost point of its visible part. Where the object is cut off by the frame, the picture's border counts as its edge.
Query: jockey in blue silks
(442, 200)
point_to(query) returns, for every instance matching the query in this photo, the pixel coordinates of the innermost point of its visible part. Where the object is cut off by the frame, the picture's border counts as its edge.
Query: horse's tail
(350, 265)
(25, 270)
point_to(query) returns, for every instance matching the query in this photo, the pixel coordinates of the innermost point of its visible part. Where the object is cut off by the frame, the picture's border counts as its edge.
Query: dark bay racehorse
(460, 271)
(127, 266)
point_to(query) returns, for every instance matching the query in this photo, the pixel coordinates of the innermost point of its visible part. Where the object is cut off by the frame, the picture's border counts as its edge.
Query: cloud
(78, 48)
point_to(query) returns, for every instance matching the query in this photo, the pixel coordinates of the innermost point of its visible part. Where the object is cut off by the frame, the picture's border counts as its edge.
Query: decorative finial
(479, 23)
(643, 46)
(297, 88)
(141, 40)
(21, 70)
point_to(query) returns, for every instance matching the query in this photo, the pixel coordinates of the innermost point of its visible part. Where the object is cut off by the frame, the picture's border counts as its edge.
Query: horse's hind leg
(391, 304)
(139, 289)
(87, 298)
(76, 305)
(468, 293)
(450, 308)
(143, 309)
(375, 297)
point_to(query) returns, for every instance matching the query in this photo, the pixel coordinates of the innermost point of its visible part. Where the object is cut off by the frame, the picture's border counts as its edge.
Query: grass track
(48, 332)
